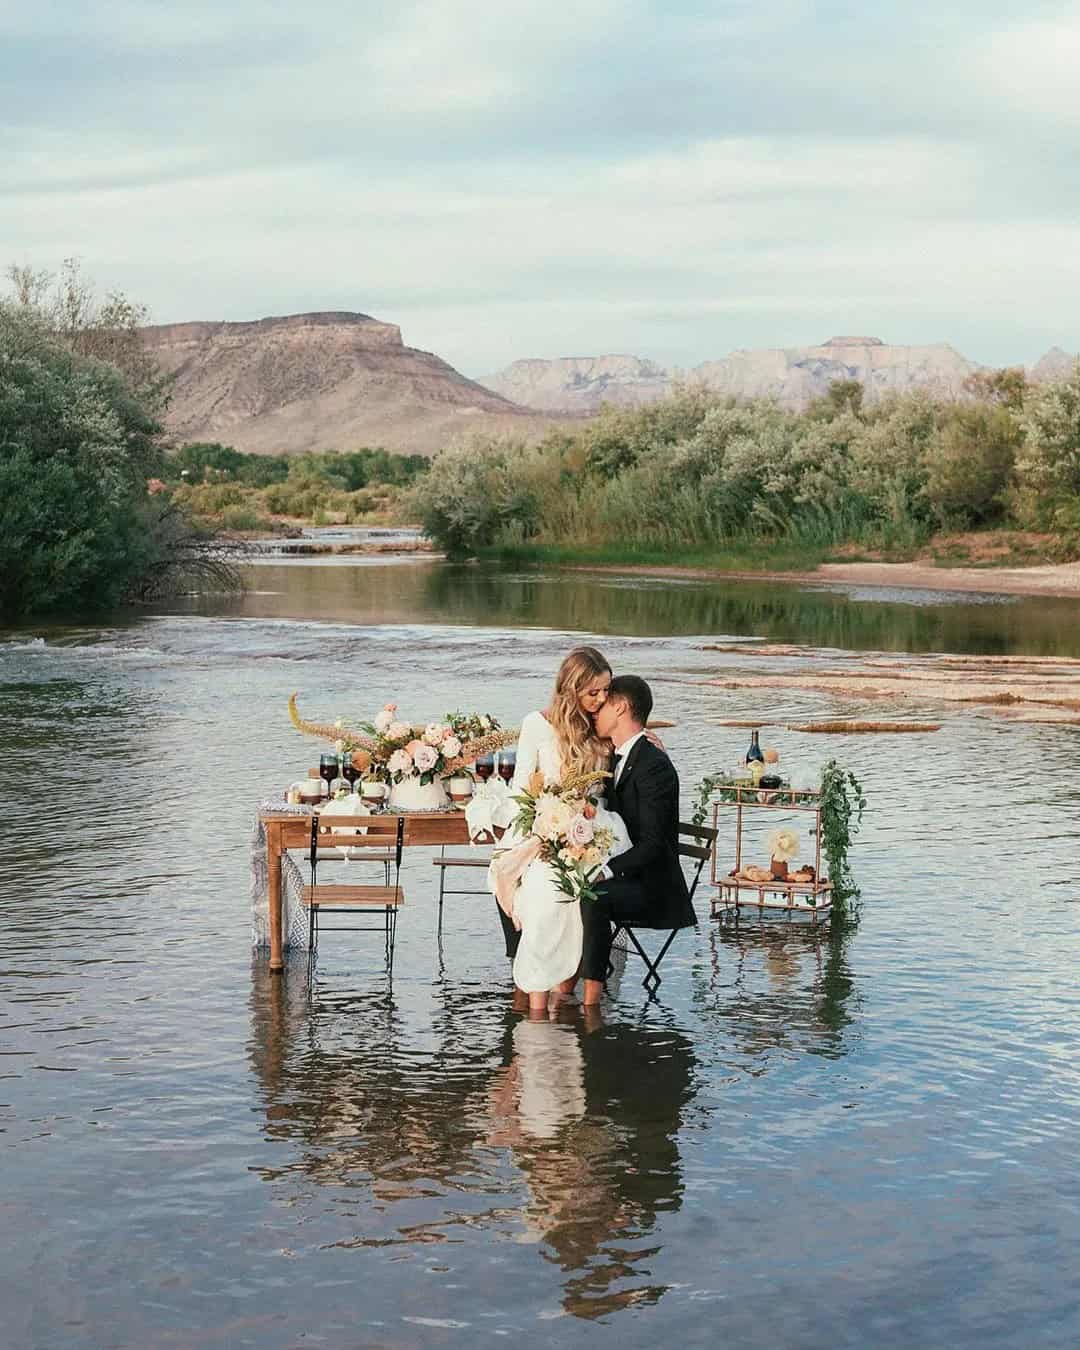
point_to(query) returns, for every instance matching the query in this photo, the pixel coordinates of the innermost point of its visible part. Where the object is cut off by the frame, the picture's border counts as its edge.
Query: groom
(645, 886)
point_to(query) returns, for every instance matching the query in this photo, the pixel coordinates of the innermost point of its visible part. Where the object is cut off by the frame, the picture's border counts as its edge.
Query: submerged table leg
(273, 868)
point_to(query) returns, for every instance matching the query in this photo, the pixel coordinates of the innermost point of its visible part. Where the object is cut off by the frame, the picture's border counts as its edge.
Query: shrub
(1048, 461)
(471, 493)
(969, 464)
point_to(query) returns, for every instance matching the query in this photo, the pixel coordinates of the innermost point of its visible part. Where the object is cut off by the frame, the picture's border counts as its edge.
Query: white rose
(451, 747)
(383, 719)
(400, 762)
(399, 731)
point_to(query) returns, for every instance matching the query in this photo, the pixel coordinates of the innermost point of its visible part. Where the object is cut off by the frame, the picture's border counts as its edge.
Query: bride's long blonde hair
(580, 749)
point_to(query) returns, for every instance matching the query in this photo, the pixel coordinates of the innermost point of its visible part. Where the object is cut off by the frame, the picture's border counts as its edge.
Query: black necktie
(615, 768)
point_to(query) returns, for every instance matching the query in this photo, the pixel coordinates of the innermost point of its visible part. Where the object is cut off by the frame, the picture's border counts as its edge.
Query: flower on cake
(783, 844)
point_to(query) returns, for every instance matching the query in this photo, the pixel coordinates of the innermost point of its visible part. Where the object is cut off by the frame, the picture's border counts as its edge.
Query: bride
(559, 742)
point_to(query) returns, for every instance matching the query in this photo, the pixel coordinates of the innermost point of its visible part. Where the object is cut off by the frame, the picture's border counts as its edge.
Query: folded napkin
(491, 805)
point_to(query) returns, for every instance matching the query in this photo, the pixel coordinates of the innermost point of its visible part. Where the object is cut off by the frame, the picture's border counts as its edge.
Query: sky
(527, 179)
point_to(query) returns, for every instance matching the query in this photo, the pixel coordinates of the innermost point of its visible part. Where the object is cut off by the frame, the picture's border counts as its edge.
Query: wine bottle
(754, 754)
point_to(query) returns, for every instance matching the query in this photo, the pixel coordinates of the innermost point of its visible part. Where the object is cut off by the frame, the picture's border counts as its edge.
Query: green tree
(1048, 462)
(969, 464)
(79, 442)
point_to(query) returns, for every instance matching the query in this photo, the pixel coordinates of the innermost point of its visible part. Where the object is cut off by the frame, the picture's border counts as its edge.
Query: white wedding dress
(551, 932)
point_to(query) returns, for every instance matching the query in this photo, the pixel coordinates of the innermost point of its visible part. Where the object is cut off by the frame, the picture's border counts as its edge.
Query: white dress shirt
(623, 751)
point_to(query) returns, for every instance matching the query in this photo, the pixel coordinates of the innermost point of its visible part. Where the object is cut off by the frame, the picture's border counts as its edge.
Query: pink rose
(397, 731)
(413, 746)
(580, 831)
(390, 707)
(425, 757)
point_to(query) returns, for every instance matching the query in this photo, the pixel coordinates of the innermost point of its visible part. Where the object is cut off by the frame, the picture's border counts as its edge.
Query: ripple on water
(853, 1123)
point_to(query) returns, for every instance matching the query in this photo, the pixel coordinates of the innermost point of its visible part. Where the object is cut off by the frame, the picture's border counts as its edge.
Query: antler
(348, 736)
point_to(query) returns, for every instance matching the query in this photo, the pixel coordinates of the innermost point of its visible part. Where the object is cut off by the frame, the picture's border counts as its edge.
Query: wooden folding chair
(339, 898)
(701, 850)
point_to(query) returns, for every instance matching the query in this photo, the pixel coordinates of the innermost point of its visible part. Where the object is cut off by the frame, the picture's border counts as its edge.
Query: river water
(859, 1137)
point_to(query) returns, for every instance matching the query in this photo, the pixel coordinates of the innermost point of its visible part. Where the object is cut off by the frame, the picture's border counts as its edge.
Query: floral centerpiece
(560, 818)
(413, 758)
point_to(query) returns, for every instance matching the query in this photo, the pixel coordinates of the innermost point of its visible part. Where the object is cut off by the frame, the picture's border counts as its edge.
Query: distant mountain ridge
(792, 375)
(338, 380)
(331, 380)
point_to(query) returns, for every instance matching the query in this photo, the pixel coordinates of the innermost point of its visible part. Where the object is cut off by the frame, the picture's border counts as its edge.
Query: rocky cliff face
(1055, 364)
(326, 381)
(580, 384)
(794, 375)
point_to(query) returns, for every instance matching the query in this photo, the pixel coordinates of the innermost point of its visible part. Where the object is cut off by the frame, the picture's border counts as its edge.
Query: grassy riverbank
(987, 549)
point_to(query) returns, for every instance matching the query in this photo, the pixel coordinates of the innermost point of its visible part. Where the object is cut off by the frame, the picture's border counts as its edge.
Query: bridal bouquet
(399, 750)
(562, 817)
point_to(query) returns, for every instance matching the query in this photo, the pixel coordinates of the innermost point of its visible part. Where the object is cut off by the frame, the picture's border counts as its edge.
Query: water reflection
(777, 983)
(560, 1134)
(598, 602)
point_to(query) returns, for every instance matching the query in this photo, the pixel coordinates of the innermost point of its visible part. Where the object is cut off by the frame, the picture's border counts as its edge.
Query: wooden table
(428, 828)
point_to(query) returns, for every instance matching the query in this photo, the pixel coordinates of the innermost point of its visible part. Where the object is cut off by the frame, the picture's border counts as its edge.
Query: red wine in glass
(328, 769)
(485, 767)
(349, 771)
(507, 764)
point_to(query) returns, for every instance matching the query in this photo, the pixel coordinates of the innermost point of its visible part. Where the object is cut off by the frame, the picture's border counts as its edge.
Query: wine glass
(328, 769)
(507, 765)
(485, 767)
(349, 771)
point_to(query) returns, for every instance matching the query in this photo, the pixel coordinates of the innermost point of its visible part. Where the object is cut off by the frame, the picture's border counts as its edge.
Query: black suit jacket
(647, 798)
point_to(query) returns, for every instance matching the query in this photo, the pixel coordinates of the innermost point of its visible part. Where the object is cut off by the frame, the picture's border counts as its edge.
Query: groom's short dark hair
(637, 693)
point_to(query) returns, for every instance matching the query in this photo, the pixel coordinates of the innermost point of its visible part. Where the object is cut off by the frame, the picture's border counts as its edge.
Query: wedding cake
(412, 795)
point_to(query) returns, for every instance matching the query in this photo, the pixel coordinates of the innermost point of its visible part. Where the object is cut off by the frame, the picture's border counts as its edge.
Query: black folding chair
(701, 851)
(339, 898)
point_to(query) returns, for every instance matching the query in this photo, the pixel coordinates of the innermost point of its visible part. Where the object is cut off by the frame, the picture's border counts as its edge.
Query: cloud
(528, 179)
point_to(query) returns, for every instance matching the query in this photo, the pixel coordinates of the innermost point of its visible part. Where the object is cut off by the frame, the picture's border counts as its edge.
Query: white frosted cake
(412, 795)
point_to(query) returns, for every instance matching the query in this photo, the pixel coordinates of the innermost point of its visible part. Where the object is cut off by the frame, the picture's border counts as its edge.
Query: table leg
(273, 866)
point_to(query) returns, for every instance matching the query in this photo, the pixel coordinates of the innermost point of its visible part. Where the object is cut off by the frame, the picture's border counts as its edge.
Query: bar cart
(733, 892)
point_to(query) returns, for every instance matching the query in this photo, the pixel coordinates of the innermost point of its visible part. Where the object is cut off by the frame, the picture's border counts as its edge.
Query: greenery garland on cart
(843, 802)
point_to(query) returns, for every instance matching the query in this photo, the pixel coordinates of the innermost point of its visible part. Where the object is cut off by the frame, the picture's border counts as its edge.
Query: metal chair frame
(442, 862)
(702, 852)
(388, 927)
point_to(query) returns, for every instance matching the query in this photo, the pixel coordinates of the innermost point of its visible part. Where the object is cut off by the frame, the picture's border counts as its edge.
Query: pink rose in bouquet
(580, 831)
(425, 757)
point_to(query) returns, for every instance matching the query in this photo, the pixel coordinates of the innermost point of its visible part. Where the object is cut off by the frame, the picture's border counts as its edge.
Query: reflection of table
(294, 831)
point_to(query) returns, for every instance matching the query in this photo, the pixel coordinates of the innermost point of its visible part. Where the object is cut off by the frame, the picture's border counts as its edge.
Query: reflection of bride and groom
(594, 1144)
(594, 722)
